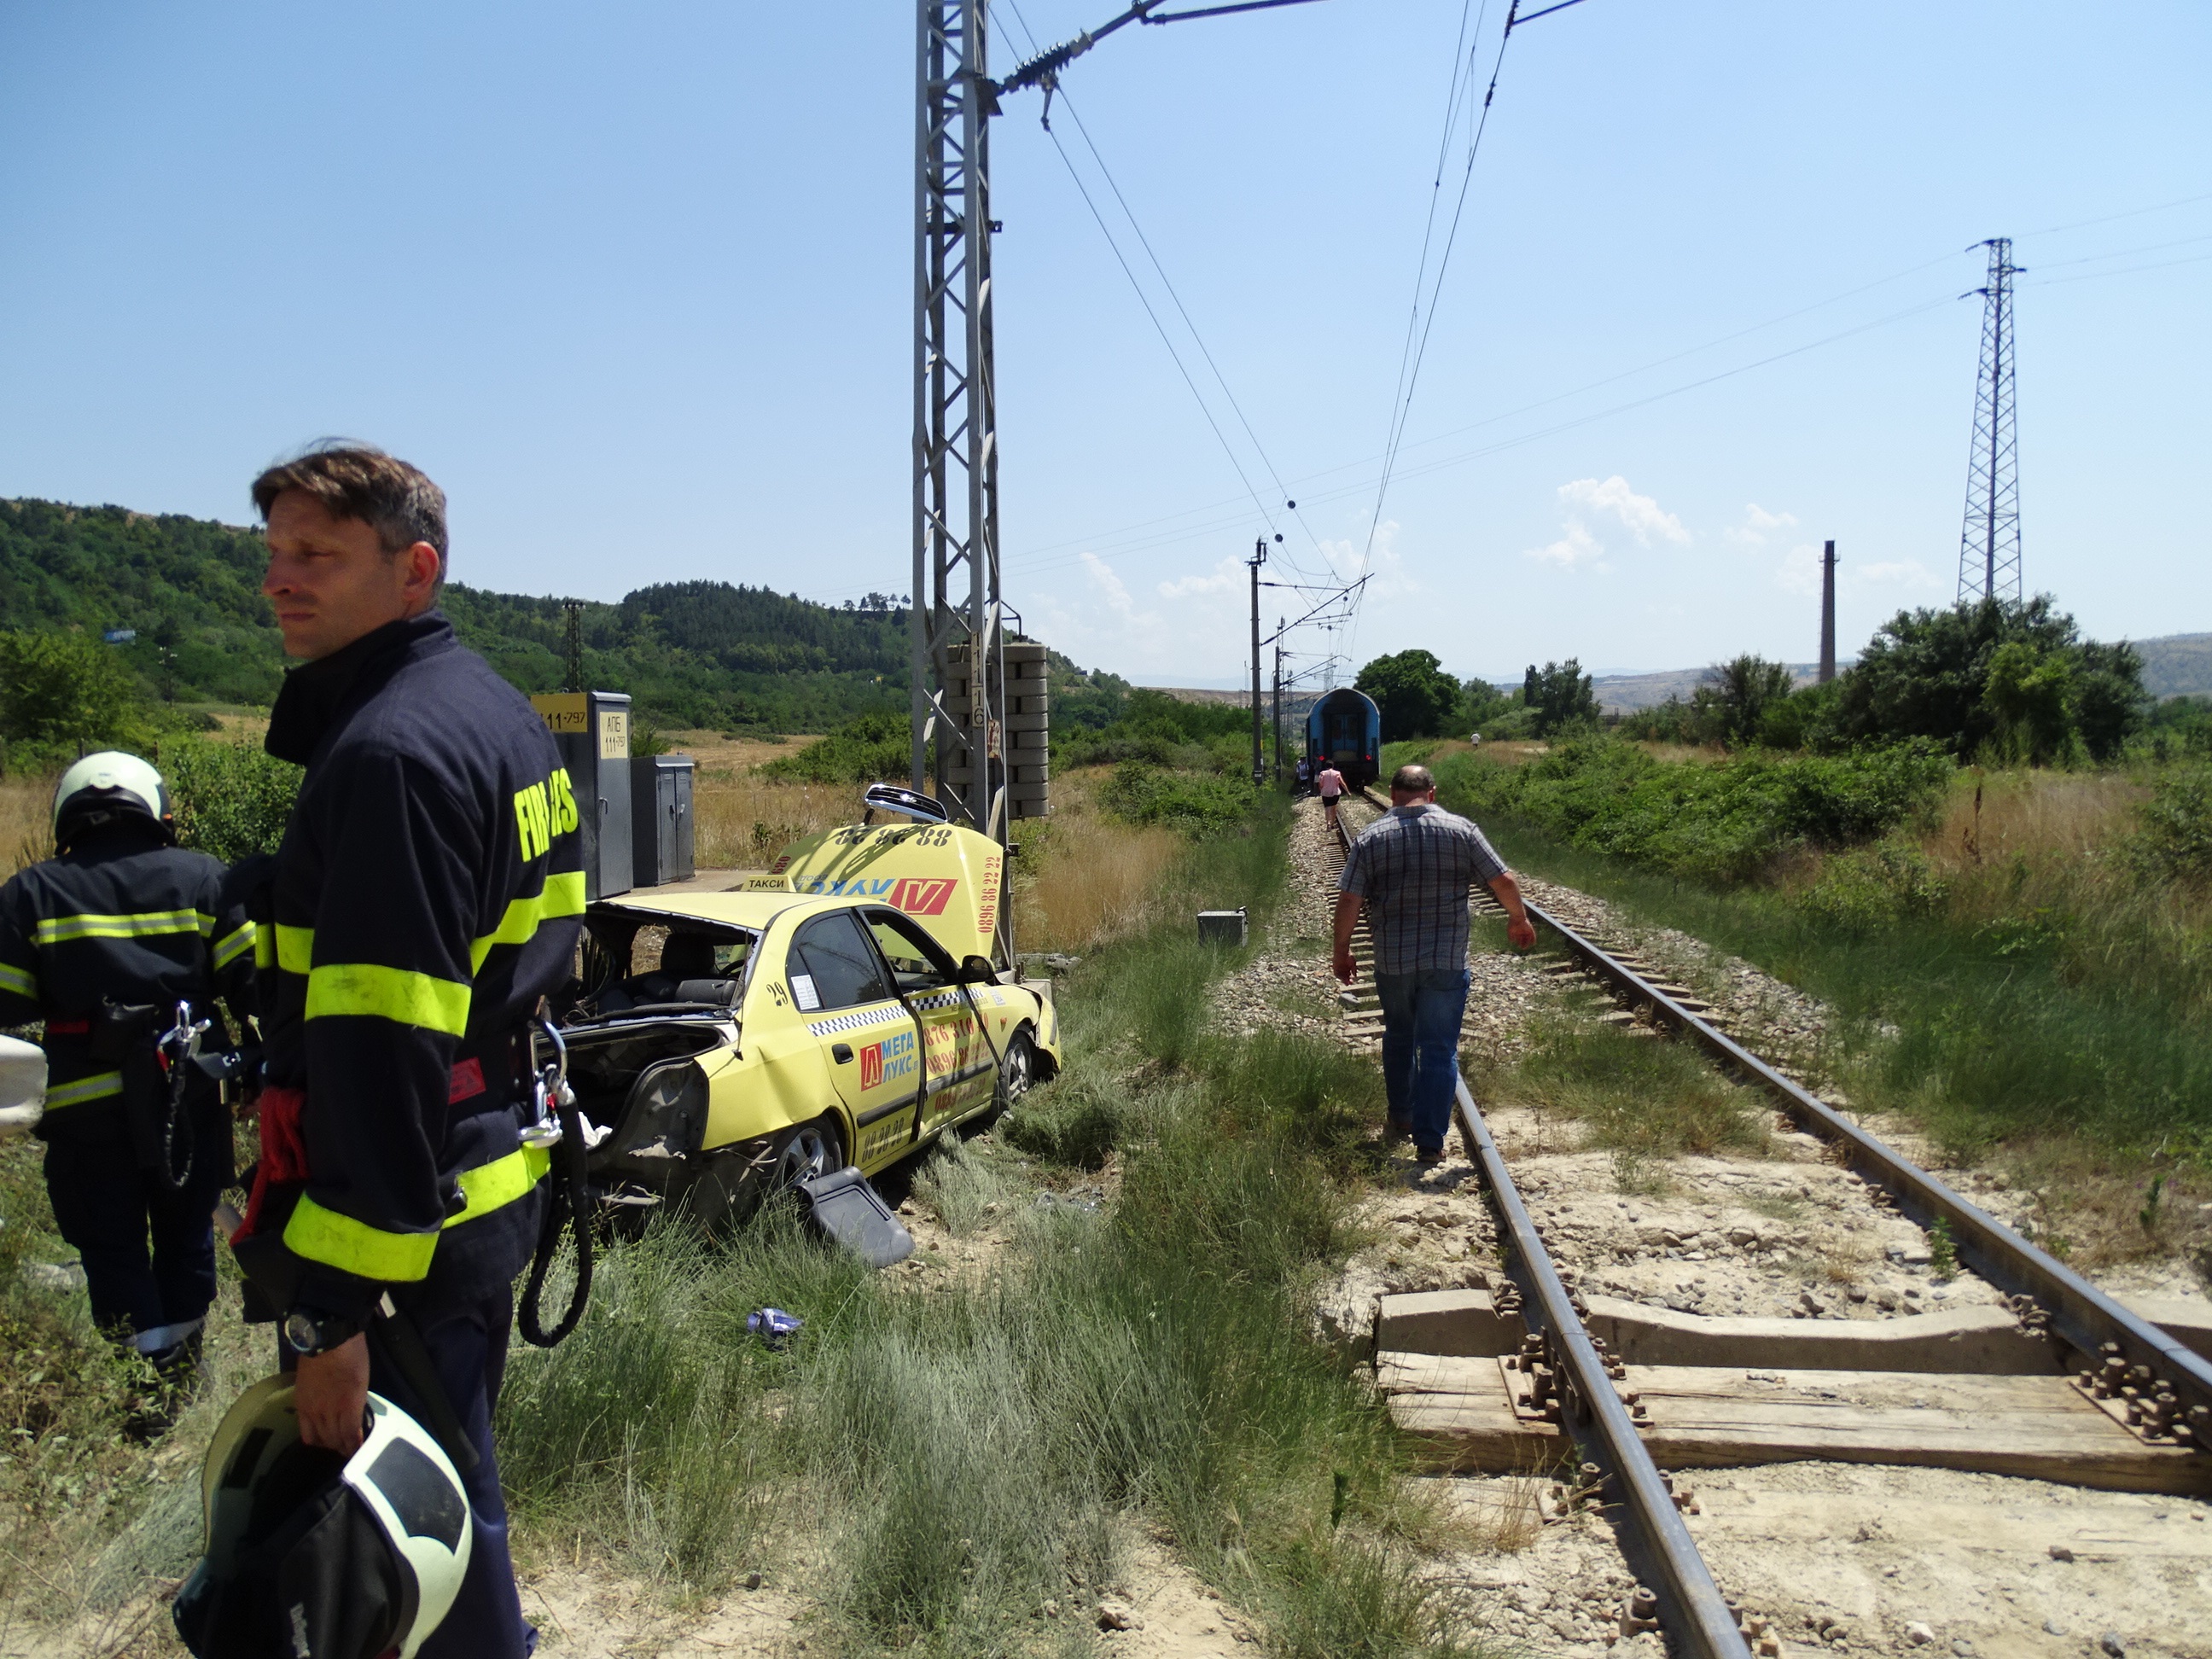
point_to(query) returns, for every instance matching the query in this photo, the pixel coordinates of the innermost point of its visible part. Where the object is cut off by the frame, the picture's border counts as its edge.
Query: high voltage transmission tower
(1989, 545)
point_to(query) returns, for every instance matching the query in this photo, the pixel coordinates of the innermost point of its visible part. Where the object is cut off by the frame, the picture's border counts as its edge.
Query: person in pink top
(1329, 785)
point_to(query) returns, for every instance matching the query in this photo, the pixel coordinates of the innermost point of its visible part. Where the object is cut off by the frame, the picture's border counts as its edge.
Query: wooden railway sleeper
(2072, 1310)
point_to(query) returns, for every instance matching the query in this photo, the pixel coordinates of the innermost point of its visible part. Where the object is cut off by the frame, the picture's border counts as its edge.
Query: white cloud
(1899, 572)
(1640, 515)
(1378, 559)
(1799, 569)
(1113, 591)
(1759, 526)
(1576, 546)
(1228, 576)
(1587, 498)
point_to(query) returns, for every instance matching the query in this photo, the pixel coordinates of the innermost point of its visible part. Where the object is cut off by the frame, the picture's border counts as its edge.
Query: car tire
(1017, 1071)
(804, 1151)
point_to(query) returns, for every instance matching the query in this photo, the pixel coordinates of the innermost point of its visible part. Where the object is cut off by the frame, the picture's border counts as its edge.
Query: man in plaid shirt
(1413, 868)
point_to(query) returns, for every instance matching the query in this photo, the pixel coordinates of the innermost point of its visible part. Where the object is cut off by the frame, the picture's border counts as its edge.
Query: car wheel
(806, 1150)
(1016, 1071)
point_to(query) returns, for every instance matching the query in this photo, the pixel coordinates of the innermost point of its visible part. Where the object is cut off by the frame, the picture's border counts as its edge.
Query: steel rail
(2084, 1316)
(1656, 1544)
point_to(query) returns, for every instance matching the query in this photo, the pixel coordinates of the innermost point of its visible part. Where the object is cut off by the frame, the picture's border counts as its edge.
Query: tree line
(2009, 682)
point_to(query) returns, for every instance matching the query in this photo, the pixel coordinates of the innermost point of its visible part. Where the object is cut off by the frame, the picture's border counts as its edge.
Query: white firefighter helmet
(395, 1513)
(105, 784)
(23, 1084)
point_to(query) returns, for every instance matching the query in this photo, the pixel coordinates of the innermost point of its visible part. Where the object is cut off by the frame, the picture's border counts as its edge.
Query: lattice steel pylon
(1989, 545)
(956, 619)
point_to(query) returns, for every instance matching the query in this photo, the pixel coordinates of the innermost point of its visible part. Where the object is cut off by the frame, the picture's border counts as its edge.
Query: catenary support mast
(955, 617)
(1259, 557)
(959, 699)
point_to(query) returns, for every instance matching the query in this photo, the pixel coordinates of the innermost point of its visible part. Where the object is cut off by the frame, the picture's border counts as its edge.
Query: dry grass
(2095, 1210)
(723, 759)
(1708, 754)
(1513, 753)
(2024, 849)
(1503, 1515)
(1085, 877)
(25, 835)
(2042, 817)
(741, 825)
(742, 820)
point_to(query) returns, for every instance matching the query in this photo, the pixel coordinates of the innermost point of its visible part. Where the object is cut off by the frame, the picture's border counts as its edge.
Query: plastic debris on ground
(774, 1326)
(844, 1208)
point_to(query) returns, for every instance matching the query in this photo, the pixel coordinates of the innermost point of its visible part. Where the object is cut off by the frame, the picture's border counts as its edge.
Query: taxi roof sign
(948, 879)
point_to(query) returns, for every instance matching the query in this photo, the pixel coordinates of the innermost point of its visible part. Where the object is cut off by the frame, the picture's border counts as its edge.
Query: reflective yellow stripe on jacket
(392, 993)
(98, 1086)
(21, 981)
(563, 895)
(57, 930)
(412, 999)
(233, 944)
(354, 1247)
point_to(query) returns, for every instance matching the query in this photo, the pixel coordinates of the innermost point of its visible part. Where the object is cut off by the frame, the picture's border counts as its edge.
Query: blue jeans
(1421, 1014)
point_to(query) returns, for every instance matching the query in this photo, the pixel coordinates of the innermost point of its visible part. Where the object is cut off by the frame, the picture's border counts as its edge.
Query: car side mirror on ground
(977, 970)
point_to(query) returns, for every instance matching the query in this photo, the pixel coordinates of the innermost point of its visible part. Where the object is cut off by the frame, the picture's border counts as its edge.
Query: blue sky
(634, 283)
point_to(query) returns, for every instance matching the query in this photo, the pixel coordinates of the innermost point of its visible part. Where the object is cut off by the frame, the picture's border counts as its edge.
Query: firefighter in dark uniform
(428, 892)
(121, 916)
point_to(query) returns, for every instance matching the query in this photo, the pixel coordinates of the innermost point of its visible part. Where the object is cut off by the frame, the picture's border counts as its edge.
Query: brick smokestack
(1828, 614)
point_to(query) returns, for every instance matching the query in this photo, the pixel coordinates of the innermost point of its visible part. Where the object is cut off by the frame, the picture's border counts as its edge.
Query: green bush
(2016, 677)
(1869, 888)
(61, 694)
(1560, 698)
(232, 798)
(1198, 803)
(867, 749)
(1715, 822)
(2176, 837)
(1161, 731)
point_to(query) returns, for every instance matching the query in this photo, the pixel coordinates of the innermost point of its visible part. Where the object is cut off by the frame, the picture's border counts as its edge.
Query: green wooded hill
(694, 654)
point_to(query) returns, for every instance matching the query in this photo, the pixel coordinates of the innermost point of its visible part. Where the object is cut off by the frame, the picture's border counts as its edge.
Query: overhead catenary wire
(1282, 493)
(1421, 322)
(1441, 463)
(1522, 409)
(1166, 339)
(1266, 514)
(2125, 271)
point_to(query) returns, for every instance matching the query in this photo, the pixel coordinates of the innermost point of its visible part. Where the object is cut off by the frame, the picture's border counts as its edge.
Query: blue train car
(1345, 728)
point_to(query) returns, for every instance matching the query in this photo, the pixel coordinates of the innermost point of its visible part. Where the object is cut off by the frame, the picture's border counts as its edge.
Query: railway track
(2145, 1392)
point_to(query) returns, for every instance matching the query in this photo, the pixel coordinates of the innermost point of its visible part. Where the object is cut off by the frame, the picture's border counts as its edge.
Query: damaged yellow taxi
(845, 1007)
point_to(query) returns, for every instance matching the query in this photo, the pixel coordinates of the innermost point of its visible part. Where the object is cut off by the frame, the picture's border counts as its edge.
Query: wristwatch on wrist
(311, 1334)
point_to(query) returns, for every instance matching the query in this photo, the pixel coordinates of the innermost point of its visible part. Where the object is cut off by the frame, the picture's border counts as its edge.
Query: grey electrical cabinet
(661, 837)
(592, 731)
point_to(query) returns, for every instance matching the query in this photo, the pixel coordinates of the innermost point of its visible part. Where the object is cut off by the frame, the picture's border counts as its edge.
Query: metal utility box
(661, 835)
(1223, 927)
(591, 729)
